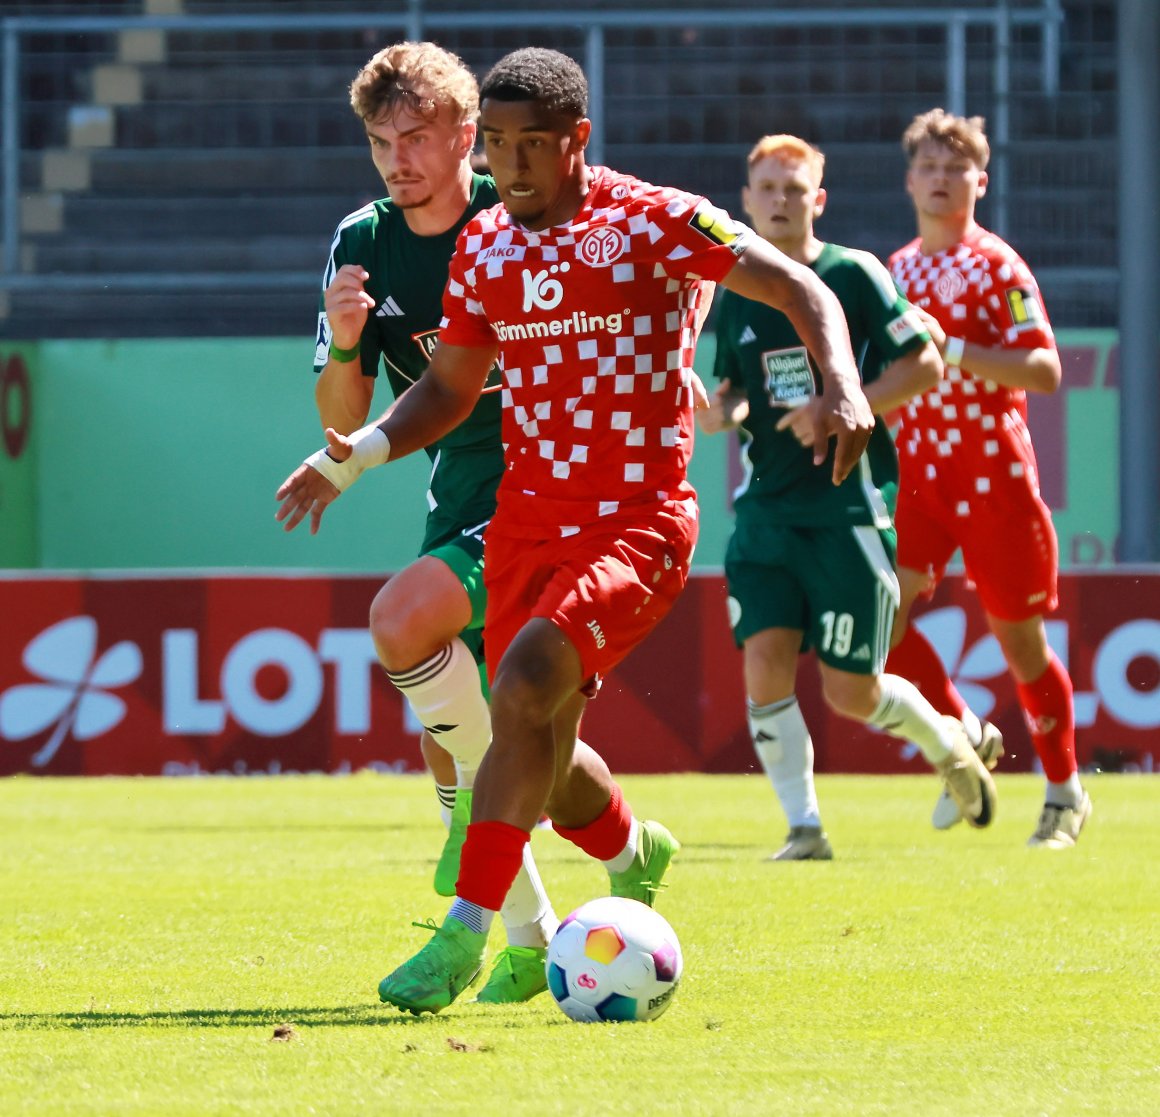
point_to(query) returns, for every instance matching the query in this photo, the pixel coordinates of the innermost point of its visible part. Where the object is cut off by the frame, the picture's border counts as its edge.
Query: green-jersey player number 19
(811, 563)
(382, 305)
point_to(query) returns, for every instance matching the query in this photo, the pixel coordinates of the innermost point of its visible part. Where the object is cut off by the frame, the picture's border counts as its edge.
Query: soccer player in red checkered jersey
(588, 285)
(968, 476)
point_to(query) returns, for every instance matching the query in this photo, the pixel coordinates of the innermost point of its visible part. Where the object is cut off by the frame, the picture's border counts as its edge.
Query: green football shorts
(836, 584)
(463, 553)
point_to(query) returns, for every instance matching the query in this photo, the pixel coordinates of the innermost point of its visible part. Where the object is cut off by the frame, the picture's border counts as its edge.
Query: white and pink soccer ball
(614, 959)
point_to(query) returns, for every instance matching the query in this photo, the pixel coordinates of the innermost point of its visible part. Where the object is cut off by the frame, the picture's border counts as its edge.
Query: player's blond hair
(964, 135)
(420, 76)
(788, 149)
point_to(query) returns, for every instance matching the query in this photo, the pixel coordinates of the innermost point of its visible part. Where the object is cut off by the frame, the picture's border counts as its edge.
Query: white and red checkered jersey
(596, 322)
(967, 427)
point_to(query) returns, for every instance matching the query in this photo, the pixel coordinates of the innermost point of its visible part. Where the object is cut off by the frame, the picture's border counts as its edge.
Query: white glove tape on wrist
(371, 448)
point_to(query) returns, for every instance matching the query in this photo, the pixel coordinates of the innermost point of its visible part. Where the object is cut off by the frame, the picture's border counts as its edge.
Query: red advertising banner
(238, 674)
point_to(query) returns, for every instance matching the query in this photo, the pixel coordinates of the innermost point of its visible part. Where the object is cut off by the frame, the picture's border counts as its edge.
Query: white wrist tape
(953, 353)
(371, 448)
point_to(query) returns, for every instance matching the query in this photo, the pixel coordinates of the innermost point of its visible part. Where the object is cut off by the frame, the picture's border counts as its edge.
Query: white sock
(527, 912)
(627, 855)
(786, 752)
(471, 915)
(1066, 794)
(973, 726)
(465, 773)
(904, 713)
(446, 796)
(444, 692)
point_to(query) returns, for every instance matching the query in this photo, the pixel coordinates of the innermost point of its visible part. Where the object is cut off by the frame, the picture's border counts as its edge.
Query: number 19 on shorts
(837, 633)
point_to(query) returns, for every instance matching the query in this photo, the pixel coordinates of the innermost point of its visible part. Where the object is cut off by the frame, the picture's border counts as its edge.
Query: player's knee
(522, 696)
(400, 629)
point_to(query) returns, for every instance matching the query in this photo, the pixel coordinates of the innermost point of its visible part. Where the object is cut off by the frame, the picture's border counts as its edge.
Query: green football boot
(519, 974)
(447, 871)
(642, 879)
(440, 971)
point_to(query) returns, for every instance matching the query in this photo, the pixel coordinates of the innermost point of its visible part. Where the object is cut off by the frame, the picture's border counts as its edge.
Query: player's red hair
(789, 149)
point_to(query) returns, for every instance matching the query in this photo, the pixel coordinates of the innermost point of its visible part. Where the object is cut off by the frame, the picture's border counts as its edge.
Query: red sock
(607, 834)
(491, 858)
(1047, 707)
(915, 659)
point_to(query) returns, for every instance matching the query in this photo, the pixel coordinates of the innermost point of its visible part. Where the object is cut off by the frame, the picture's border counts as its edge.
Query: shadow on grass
(340, 1016)
(281, 828)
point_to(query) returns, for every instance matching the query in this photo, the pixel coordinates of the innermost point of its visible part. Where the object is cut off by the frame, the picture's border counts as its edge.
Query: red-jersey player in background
(588, 287)
(967, 468)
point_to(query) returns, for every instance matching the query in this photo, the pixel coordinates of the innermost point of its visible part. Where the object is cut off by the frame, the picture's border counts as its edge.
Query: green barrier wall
(166, 454)
(18, 495)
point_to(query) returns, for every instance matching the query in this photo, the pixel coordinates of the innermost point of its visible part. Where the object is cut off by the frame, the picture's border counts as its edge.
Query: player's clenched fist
(347, 304)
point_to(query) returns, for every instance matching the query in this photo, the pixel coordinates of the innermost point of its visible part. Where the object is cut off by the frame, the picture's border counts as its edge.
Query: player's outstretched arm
(434, 405)
(319, 480)
(440, 399)
(766, 275)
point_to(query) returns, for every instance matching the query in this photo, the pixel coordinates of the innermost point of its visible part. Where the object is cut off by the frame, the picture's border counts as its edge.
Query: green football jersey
(759, 353)
(407, 275)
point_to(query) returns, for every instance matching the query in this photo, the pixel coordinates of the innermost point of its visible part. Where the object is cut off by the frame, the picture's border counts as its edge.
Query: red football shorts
(1008, 541)
(605, 588)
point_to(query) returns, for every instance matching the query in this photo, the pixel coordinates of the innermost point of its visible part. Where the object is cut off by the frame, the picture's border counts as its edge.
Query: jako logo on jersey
(597, 632)
(603, 246)
(542, 291)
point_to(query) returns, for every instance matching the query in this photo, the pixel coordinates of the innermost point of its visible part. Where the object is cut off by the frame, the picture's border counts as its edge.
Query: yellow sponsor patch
(1023, 304)
(716, 224)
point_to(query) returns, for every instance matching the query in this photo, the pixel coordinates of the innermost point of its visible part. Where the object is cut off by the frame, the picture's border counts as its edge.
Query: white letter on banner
(183, 713)
(272, 718)
(352, 651)
(1136, 639)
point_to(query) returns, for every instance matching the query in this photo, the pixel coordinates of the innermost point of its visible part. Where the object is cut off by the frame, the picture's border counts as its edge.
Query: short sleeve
(698, 240)
(464, 321)
(1016, 307)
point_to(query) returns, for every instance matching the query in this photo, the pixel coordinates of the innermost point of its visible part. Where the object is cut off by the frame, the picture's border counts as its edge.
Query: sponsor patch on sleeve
(904, 327)
(1023, 305)
(322, 339)
(719, 227)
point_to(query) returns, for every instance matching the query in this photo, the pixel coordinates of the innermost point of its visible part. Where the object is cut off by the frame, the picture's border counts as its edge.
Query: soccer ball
(614, 959)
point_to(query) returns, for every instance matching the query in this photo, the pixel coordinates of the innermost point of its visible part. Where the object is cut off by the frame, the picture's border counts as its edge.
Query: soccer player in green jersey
(383, 300)
(810, 563)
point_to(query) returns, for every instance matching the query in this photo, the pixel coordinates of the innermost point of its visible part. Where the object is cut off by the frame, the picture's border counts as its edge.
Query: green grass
(154, 933)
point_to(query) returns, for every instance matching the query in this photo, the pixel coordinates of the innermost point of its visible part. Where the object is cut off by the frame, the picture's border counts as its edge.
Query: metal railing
(596, 26)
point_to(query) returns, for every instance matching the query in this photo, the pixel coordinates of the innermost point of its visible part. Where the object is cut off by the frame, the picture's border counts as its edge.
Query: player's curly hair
(537, 74)
(419, 76)
(964, 135)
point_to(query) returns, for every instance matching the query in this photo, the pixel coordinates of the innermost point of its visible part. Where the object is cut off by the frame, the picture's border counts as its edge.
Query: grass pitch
(212, 946)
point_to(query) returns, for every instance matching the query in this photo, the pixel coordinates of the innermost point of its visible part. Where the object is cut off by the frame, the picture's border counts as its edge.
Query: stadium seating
(205, 170)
